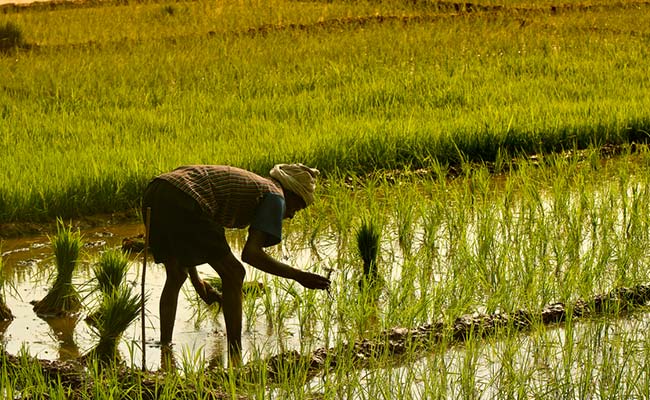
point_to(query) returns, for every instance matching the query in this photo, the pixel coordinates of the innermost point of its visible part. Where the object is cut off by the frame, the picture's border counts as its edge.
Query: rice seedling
(63, 298)
(250, 289)
(368, 242)
(117, 311)
(110, 273)
(118, 306)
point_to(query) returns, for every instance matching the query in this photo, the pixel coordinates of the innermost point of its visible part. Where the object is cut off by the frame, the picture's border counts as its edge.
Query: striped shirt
(229, 195)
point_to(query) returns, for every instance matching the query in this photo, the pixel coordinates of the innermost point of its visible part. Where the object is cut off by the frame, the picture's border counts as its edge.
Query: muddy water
(199, 331)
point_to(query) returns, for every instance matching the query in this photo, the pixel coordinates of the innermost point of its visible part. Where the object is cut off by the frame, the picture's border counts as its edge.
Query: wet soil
(146, 385)
(398, 341)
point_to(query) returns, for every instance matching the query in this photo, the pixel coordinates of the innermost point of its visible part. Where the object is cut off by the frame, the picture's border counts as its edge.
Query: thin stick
(144, 274)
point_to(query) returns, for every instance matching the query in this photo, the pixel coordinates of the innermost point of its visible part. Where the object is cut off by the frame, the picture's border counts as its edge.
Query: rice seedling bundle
(62, 298)
(110, 272)
(368, 238)
(118, 310)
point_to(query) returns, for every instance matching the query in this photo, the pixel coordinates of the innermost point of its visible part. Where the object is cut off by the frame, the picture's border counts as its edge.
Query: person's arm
(255, 255)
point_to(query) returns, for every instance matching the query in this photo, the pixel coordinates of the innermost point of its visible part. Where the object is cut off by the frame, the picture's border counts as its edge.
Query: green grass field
(104, 96)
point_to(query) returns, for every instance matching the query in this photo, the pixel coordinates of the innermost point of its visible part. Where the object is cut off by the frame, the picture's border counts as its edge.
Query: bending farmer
(191, 206)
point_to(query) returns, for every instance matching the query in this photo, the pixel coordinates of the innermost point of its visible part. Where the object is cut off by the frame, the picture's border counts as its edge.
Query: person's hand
(313, 281)
(207, 293)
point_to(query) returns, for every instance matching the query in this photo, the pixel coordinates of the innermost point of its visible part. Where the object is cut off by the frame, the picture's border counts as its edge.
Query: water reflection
(63, 329)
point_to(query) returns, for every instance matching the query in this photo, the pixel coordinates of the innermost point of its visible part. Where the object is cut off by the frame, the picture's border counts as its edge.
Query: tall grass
(92, 114)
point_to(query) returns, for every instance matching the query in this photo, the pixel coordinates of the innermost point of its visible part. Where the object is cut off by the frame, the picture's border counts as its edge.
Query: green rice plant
(110, 273)
(63, 298)
(118, 310)
(349, 115)
(404, 217)
(11, 36)
(368, 238)
(250, 289)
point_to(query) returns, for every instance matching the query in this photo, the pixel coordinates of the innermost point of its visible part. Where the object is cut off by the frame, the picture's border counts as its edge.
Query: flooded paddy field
(199, 331)
(529, 284)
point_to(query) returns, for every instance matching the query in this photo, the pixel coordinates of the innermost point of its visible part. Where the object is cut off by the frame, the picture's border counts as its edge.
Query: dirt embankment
(399, 341)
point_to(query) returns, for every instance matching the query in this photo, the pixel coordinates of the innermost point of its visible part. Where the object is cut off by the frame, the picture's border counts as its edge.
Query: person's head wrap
(297, 178)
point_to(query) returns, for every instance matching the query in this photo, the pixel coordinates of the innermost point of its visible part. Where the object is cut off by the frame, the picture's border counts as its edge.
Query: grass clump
(63, 298)
(119, 306)
(110, 273)
(368, 238)
(111, 270)
(118, 310)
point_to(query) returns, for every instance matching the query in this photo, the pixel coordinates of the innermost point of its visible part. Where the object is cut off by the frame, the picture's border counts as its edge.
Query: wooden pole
(144, 274)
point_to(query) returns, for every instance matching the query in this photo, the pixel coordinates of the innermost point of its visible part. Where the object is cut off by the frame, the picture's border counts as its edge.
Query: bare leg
(176, 276)
(232, 274)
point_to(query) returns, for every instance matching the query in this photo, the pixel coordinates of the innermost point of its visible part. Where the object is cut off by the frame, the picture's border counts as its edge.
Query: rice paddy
(92, 114)
(541, 237)
(485, 162)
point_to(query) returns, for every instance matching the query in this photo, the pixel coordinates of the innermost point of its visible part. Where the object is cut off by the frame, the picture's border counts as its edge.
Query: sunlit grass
(92, 123)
